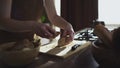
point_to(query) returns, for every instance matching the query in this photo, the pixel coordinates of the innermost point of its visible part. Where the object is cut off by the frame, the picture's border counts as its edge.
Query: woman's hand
(44, 31)
(67, 34)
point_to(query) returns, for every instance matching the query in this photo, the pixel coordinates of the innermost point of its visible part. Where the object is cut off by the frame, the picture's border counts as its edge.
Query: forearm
(60, 22)
(15, 25)
(53, 17)
(104, 34)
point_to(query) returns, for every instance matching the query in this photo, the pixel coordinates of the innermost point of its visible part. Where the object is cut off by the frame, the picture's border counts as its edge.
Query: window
(57, 5)
(109, 11)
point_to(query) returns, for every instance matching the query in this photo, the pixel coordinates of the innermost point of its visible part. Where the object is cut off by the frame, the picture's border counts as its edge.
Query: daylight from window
(57, 6)
(109, 11)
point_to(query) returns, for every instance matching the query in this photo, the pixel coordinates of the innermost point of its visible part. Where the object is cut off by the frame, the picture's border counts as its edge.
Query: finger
(68, 39)
(44, 34)
(57, 33)
(63, 33)
(48, 34)
(51, 30)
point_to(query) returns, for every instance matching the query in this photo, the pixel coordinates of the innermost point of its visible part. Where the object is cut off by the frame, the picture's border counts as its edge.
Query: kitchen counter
(84, 60)
(80, 59)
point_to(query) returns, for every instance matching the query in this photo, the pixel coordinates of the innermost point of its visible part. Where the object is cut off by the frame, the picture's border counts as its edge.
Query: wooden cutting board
(64, 51)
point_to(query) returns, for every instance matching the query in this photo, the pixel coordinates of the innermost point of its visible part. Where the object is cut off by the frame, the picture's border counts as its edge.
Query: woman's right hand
(44, 30)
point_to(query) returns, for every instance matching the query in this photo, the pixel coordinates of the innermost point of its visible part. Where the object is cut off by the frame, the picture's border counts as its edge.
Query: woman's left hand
(67, 34)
